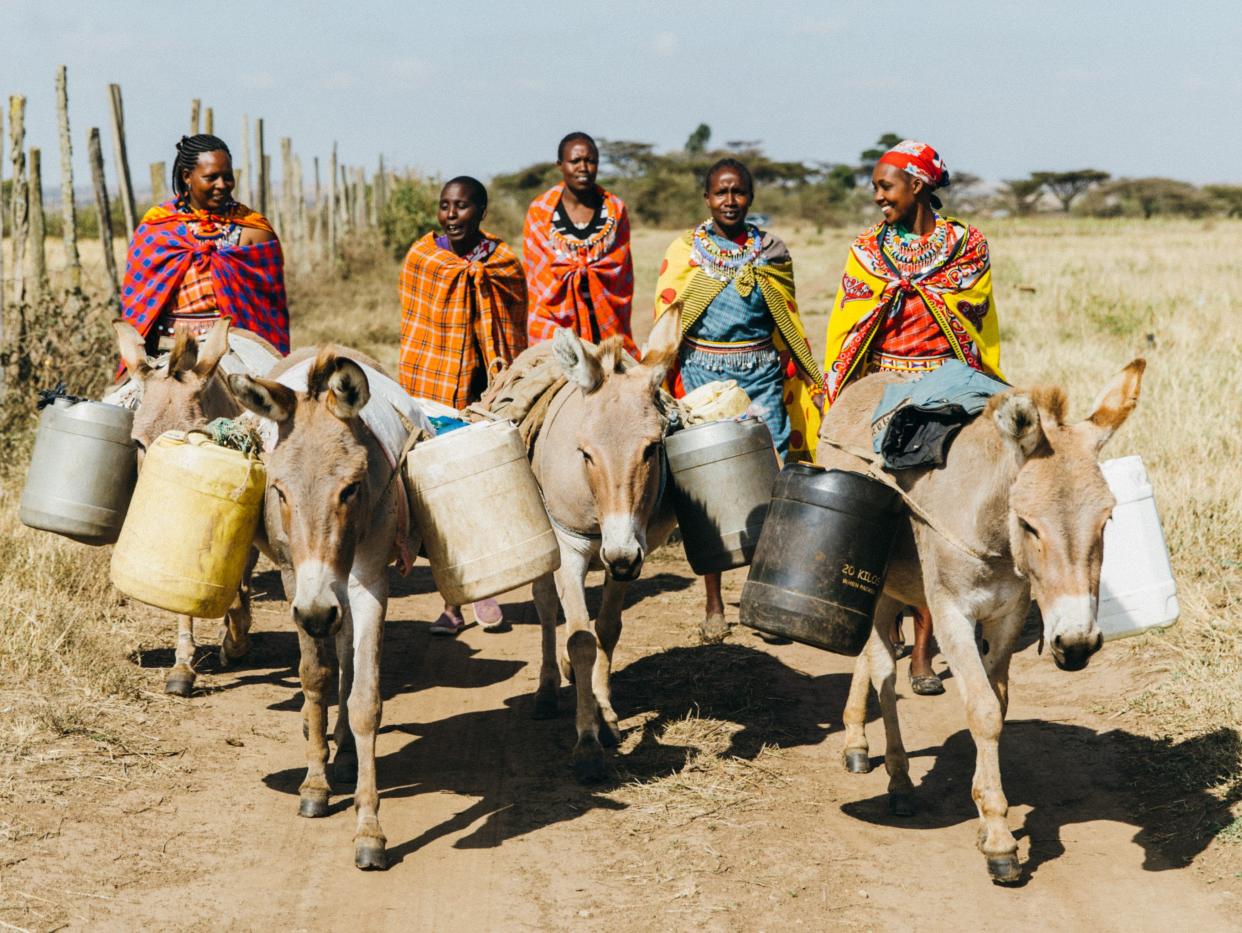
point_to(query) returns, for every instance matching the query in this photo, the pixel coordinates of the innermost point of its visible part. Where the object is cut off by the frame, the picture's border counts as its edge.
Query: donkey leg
(180, 679)
(607, 631)
(314, 670)
(367, 606)
(882, 661)
(546, 604)
(581, 648)
(235, 632)
(857, 755)
(345, 764)
(984, 717)
(1001, 638)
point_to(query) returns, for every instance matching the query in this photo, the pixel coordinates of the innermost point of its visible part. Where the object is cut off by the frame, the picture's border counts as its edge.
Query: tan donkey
(1022, 489)
(185, 391)
(600, 461)
(331, 519)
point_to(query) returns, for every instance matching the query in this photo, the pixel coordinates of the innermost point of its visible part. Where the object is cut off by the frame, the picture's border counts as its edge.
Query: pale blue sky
(1001, 88)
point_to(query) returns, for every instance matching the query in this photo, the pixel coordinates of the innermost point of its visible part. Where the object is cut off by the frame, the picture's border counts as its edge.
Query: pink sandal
(489, 615)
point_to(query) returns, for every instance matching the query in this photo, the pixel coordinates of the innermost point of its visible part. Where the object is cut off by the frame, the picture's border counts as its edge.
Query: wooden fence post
(195, 104)
(209, 122)
(267, 184)
(38, 225)
(245, 184)
(332, 254)
(68, 206)
(300, 227)
(316, 227)
(381, 190)
(261, 161)
(360, 198)
(159, 189)
(103, 212)
(125, 188)
(18, 196)
(286, 190)
(3, 376)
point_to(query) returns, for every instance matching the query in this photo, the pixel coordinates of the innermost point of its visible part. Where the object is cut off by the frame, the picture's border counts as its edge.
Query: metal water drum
(1137, 589)
(822, 558)
(82, 471)
(721, 475)
(191, 525)
(480, 512)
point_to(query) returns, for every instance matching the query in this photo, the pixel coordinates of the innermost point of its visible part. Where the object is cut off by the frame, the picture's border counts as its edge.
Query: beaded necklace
(911, 253)
(721, 263)
(206, 226)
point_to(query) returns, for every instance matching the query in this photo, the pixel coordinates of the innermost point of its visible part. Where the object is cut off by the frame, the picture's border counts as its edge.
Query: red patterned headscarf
(920, 160)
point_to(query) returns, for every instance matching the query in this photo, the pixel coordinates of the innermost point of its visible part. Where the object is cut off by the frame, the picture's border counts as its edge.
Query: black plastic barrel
(821, 560)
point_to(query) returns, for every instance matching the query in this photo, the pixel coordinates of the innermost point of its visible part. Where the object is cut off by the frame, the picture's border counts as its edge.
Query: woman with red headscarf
(916, 292)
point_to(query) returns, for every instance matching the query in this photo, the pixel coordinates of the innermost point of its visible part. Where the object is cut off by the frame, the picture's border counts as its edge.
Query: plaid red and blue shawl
(248, 281)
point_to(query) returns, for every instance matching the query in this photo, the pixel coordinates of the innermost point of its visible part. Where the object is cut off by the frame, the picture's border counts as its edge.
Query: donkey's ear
(1017, 419)
(265, 398)
(213, 348)
(133, 349)
(347, 389)
(1113, 406)
(577, 362)
(665, 338)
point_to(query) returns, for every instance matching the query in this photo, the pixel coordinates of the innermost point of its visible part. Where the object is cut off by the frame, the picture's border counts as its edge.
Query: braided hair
(188, 151)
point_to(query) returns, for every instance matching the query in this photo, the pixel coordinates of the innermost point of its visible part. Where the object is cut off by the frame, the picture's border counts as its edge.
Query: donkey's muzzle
(1074, 655)
(625, 566)
(317, 621)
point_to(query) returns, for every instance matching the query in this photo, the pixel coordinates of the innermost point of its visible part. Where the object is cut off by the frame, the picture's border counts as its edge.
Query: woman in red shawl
(203, 256)
(576, 245)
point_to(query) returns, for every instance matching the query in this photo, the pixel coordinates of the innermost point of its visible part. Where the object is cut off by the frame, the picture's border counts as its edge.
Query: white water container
(480, 512)
(1137, 590)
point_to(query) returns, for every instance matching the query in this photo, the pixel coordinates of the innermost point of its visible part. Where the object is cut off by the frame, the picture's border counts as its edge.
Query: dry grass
(1077, 300)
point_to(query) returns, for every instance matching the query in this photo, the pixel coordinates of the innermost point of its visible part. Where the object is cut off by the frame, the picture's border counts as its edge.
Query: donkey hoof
(609, 733)
(713, 629)
(856, 761)
(313, 804)
(370, 857)
(345, 768)
(179, 684)
(545, 706)
(1005, 869)
(901, 803)
(588, 763)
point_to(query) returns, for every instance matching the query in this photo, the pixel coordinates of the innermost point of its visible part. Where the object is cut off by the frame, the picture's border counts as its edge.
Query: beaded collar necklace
(204, 225)
(912, 253)
(723, 263)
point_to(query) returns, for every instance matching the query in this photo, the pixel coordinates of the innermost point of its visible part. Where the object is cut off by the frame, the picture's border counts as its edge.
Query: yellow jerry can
(190, 525)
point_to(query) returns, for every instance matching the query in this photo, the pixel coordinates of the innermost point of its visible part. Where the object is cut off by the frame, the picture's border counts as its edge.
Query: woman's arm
(253, 236)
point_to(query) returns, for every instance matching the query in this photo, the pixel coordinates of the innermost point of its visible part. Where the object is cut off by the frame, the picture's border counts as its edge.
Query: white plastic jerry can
(1137, 590)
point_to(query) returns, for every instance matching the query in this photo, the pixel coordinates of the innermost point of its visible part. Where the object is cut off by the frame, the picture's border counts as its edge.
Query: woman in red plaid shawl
(463, 303)
(463, 315)
(576, 244)
(203, 256)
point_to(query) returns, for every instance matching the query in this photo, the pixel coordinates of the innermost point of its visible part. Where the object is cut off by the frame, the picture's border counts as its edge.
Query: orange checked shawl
(458, 318)
(556, 267)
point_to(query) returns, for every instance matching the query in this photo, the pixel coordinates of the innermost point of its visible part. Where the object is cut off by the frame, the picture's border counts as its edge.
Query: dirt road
(728, 808)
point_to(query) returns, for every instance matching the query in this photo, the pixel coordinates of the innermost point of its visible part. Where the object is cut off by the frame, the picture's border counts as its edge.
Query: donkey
(1022, 487)
(599, 460)
(331, 520)
(180, 393)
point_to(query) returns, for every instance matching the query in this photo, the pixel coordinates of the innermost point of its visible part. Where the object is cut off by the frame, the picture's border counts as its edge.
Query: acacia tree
(1023, 194)
(1066, 186)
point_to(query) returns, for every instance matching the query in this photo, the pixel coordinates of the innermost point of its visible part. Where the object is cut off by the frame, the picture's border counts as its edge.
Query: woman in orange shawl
(463, 303)
(203, 256)
(463, 316)
(576, 243)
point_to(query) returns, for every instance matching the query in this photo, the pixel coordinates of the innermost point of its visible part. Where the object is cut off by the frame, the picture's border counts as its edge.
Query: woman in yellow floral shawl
(917, 287)
(739, 316)
(740, 321)
(917, 291)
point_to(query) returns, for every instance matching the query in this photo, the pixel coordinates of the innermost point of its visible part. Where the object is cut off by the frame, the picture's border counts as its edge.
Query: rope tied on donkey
(236, 434)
